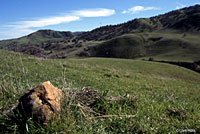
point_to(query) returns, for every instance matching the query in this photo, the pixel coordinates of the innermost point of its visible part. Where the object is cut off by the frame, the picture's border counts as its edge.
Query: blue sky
(22, 17)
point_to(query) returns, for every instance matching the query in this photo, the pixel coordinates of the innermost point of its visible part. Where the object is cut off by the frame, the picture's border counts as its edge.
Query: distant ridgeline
(186, 19)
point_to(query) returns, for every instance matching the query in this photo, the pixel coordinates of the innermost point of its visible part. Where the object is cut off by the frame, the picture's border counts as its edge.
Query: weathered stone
(41, 103)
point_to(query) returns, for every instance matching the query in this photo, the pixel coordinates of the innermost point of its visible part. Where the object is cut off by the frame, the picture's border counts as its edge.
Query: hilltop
(174, 35)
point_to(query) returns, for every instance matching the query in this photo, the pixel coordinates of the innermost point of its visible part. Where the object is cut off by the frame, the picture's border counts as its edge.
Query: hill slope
(40, 43)
(166, 46)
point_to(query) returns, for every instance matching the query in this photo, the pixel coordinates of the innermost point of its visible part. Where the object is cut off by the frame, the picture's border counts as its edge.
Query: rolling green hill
(36, 37)
(165, 46)
(166, 96)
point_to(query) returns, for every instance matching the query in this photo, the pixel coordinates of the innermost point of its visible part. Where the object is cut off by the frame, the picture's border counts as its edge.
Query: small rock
(41, 103)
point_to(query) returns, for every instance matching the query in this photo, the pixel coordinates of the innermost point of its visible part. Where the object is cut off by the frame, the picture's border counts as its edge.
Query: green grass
(160, 89)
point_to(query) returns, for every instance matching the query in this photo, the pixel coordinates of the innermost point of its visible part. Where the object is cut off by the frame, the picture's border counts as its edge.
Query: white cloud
(101, 12)
(74, 16)
(137, 9)
(45, 22)
(21, 28)
(179, 5)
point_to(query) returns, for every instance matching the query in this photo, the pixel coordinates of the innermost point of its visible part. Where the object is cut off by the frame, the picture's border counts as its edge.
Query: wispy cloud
(45, 22)
(55, 20)
(180, 5)
(25, 27)
(100, 12)
(137, 9)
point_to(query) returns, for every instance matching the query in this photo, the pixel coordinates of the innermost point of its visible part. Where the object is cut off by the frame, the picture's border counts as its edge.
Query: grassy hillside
(166, 96)
(159, 45)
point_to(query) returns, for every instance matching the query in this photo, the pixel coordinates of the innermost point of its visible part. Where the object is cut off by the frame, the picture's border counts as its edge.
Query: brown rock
(41, 102)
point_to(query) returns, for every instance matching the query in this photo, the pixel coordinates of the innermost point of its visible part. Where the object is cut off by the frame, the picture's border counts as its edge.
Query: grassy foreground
(167, 96)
